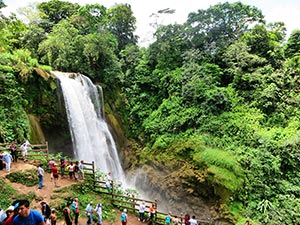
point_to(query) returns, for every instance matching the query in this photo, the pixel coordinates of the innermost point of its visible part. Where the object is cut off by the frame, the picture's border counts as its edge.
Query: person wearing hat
(9, 214)
(27, 215)
(89, 213)
(124, 217)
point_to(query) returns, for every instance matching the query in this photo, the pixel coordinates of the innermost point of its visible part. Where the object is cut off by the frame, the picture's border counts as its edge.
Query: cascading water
(91, 138)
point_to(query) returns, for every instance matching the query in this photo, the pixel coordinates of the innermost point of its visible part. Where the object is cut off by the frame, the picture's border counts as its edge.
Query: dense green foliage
(219, 93)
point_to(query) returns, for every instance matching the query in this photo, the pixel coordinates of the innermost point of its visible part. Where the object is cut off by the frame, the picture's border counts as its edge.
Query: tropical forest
(209, 111)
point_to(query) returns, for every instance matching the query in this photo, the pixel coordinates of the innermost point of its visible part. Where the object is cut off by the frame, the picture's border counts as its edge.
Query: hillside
(46, 192)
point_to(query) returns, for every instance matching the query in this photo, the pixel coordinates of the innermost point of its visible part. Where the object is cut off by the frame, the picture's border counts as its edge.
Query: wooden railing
(36, 149)
(131, 203)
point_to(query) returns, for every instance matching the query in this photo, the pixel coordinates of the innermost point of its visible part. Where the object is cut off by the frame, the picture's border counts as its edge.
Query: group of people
(6, 158)
(72, 211)
(19, 213)
(75, 171)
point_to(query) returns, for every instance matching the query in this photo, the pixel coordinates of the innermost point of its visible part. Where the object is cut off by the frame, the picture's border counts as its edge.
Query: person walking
(124, 217)
(7, 158)
(13, 151)
(46, 212)
(142, 208)
(24, 149)
(41, 174)
(89, 213)
(98, 210)
(27, 215)
(168, 219)
(55, 175)
(67, 214)
(75, 209)
(53, 217)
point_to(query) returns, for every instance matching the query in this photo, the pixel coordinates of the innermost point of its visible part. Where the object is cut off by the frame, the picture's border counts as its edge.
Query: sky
(287, 11)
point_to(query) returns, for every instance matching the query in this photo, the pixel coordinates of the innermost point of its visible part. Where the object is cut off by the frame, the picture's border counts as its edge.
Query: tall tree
(90, 19)
(122, 24)
(220, 25)
(54, 11)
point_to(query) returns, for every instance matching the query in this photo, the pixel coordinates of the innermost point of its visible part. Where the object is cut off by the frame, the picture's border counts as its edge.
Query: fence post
(47, 149)
(94, 174)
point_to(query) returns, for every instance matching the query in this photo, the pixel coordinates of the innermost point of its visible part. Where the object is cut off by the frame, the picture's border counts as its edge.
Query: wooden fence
(36, 149)
(131, 203)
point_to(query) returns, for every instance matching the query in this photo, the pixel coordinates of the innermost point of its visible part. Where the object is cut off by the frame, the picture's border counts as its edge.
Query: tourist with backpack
(168, 219)
(75, 210)
(124, 217)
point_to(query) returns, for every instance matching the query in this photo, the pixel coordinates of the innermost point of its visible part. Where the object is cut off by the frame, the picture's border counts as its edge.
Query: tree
(292, 47)
(54, 11)
(220, 25)
(121, 23)
(90, 18)
(266, 42)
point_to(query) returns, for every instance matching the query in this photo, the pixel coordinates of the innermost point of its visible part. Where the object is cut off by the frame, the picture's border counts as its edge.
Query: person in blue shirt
(89, 213)
(27, 216)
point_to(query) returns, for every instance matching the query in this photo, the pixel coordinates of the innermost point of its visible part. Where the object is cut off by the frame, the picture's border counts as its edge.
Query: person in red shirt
(55, 175)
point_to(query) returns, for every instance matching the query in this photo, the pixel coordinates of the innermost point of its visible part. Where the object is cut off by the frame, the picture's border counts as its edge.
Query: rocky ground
(47, 191)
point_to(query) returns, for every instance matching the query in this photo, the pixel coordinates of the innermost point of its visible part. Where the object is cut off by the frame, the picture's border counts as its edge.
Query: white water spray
(91, 138)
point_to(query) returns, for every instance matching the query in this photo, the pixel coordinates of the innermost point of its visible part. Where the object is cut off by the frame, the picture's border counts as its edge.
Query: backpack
(73, 206)
(168, 219)
(123, 217)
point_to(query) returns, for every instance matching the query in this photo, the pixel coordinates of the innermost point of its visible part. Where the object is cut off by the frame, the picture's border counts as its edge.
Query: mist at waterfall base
(91, 138)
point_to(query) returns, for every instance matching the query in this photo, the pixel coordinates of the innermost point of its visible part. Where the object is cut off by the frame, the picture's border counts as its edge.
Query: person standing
(55, 175)
(75, 209)
(62, 166)
(108, 182)
(50, 164)
(124, 217)
(46, 212)
(9, 215)
(27, 215)
(81, 171)
(41, 174)
(193, 221)
(89, 213)
(67, 214)
(142, 208)
(168, 219)
(13, 151)
(7, 159)
(24, 149)
(98, 210)
(53, 217)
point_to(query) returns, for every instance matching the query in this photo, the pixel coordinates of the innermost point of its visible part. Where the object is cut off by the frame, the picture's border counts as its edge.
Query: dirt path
(46, 192)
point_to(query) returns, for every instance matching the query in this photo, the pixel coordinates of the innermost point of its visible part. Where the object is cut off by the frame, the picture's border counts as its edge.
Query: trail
(48, 190)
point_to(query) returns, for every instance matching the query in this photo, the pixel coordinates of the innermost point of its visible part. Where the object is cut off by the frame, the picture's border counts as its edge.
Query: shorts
(55, 175)
(24, 153)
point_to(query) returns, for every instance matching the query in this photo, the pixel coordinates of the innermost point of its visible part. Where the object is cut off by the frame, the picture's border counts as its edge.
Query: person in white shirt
(24, 148)
(193, 221)
(98, 210)
(142, 208)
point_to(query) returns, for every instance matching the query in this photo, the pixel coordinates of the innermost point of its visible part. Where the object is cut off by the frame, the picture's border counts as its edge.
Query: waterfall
(91, 138)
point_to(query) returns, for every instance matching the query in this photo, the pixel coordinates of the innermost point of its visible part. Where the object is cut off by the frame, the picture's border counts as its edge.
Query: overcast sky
(287, 11)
